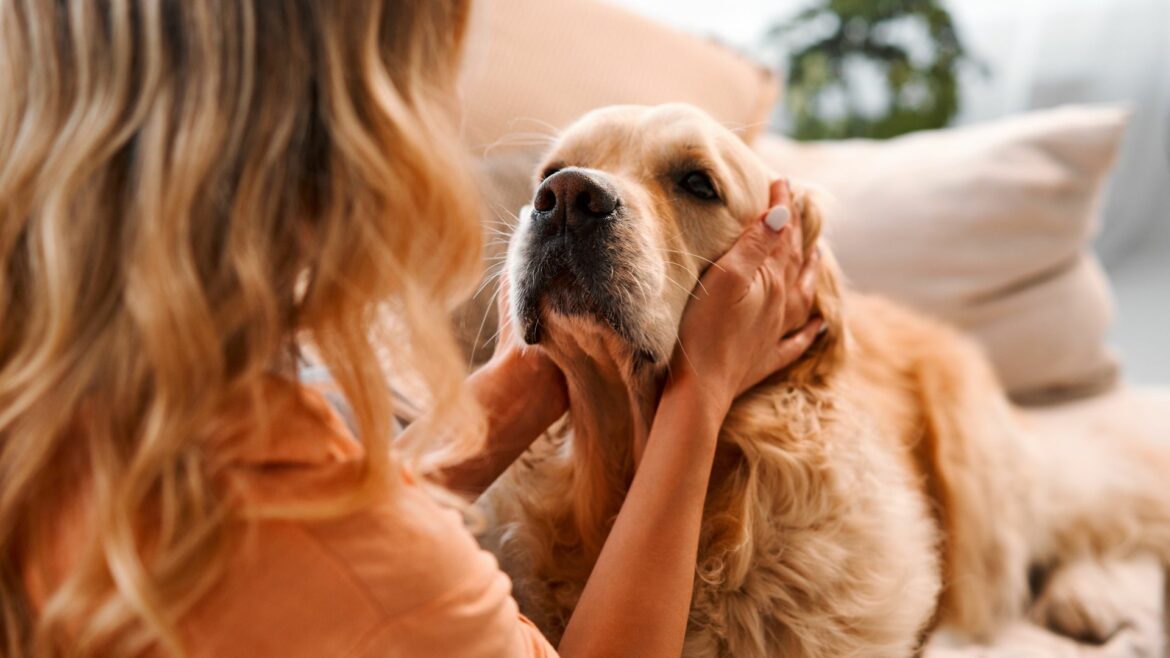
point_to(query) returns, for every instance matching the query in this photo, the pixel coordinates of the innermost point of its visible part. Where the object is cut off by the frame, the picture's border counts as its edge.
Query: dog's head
(632, 205)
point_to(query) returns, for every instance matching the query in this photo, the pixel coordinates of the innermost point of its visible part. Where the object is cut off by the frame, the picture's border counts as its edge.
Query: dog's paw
(1105, 603)
(1077, 604)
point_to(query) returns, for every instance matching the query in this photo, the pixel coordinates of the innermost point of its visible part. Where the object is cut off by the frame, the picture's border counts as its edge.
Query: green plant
(851, 38)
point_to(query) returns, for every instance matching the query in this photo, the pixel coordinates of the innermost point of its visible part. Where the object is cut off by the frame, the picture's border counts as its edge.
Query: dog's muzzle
(569, 251)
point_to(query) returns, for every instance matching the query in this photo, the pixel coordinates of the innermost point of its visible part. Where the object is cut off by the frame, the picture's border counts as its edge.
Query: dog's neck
(611, 403)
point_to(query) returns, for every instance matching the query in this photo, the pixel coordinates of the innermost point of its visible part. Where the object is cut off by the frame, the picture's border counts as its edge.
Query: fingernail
(777, 217)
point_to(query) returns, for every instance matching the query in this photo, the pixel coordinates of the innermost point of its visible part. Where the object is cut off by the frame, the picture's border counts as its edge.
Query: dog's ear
(827, 351)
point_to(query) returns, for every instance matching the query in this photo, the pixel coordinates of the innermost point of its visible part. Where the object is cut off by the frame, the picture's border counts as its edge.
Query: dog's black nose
(574, 199)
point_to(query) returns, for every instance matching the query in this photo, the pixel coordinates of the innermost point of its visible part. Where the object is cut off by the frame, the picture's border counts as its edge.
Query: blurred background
(881, 68)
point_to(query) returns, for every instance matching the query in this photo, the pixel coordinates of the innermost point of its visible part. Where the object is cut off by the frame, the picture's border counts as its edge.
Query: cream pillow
(533, 66)
(985, 226)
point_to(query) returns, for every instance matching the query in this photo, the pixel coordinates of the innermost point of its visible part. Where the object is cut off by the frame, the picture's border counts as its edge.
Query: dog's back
(1005, 500)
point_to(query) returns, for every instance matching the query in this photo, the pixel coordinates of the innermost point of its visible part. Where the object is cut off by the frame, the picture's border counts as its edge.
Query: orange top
(401, 578)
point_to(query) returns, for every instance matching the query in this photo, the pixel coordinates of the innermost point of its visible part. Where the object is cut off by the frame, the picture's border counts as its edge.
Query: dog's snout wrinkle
(573, 199)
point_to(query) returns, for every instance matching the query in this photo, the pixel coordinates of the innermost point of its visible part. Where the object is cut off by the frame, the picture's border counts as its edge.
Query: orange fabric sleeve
(403, 577)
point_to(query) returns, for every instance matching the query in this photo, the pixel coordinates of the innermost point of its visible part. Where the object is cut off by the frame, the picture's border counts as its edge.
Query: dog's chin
(565, 324)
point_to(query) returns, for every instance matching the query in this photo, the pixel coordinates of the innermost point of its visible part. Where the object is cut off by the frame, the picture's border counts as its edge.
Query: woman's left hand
(526, 367)
(521, 391)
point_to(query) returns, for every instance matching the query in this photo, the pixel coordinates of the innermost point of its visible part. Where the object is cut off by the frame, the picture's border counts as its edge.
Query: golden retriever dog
(875, 490)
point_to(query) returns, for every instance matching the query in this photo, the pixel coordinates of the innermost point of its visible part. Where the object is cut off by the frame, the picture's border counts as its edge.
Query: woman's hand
(526, 369)
(732, 336)
(527, 365)
(739, 328)
(521, 391)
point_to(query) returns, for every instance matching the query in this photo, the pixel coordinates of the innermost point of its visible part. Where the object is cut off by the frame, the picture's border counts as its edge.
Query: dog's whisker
(492, 270)
(499, 328)
(531, 135)
(683, 252)
(492, 273)
(500, 227)
(497, 265)
(521, 139)
(511, 140)
(553, 131)
(488, 281)
(499, 210)
(740, 128)
(475, 344)
(507, 217)
(678, 285)
(688, 358)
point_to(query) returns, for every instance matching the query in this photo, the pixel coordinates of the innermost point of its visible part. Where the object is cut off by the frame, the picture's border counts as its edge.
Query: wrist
(523, 367)
(529, 374)
(707, 399)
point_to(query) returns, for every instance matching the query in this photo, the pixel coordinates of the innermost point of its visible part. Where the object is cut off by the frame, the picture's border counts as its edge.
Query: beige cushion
(1142, 413)
(985, 226)
(534, 66)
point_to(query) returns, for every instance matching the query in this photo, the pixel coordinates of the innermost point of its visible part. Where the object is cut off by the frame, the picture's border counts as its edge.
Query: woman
(191, 192)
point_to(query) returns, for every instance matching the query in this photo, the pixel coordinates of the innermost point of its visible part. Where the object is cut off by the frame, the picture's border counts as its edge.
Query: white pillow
(986, 226)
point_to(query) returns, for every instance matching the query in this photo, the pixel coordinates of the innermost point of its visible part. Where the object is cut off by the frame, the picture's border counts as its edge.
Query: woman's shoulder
(401, 575)
(327, 587)
(305, 456)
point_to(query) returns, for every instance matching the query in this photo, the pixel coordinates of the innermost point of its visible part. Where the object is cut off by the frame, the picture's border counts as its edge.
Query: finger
(788, 254)
(801, 296)
(797, 223)
(776, 192)
(750, 251)
(780, 193)
(762, 237)
(791, 348)
(809, 274)
(806, 284)
(786, 199)
(780, 208)
(786, 262)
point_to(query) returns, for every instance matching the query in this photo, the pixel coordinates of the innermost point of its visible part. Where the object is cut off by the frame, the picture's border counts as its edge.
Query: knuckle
(808, 298)
(717, 279)
(807, 294)
(738, 278)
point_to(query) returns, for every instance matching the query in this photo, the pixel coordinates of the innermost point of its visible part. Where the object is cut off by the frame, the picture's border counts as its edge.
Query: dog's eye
(699, 185)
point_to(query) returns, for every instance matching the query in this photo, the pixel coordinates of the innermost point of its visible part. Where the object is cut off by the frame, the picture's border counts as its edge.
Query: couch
(988, 227)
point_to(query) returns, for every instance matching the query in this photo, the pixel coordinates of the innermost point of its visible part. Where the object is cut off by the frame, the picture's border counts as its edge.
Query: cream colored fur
(876, 489)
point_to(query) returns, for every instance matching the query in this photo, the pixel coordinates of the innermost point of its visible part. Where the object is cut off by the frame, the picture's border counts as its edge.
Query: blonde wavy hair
(190, 190)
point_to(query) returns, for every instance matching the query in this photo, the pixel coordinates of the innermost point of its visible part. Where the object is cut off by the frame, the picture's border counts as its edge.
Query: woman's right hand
(636, 600)
(750, 316)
